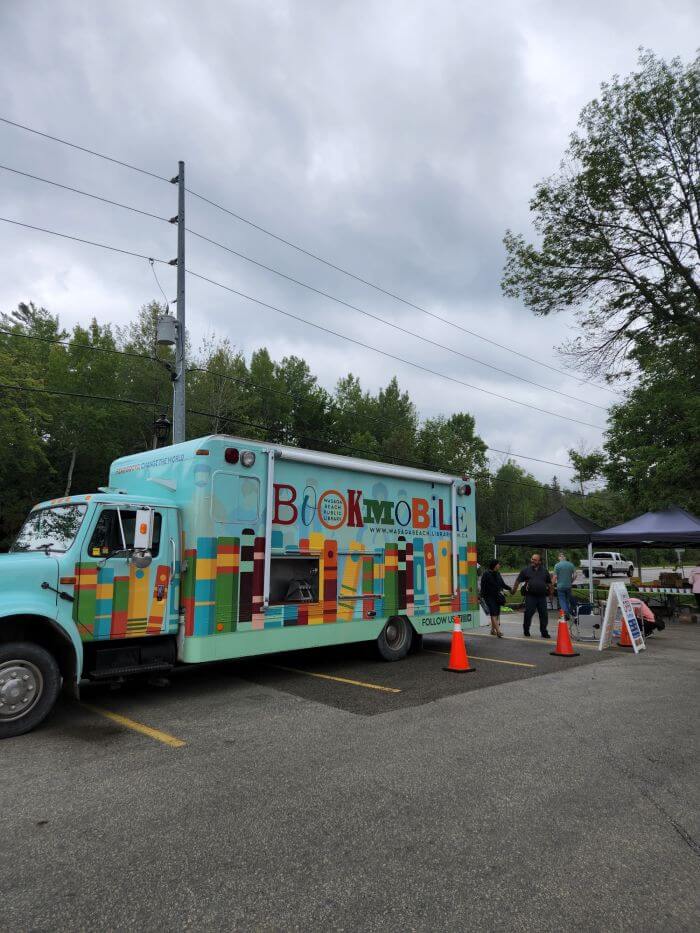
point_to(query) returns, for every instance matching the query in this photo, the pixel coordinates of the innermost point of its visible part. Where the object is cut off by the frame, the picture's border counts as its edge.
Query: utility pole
(180, 362)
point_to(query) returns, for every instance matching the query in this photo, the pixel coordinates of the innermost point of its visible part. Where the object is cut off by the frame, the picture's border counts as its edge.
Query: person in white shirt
(694, 577)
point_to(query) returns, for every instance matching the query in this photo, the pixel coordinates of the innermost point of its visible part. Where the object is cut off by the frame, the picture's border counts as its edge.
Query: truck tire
(395, 640)
(417, 643)
(29, 684)
(630, 570)
(585, 573)
(608, 572)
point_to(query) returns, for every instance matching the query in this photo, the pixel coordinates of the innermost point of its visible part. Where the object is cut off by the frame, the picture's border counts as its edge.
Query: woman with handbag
(492, 586)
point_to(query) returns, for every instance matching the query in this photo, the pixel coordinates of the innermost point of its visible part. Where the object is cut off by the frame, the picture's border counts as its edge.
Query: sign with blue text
(619, 602)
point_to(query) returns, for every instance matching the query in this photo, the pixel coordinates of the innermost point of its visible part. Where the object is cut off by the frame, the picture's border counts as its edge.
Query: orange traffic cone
(625, 640)
(459, 662)
(564, 648)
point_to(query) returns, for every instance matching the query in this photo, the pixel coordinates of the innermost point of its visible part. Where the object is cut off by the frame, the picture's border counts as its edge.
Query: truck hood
(21, 576)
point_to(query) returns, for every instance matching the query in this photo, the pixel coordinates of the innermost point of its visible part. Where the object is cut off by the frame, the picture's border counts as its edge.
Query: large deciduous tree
(619, 223)
(653, 442)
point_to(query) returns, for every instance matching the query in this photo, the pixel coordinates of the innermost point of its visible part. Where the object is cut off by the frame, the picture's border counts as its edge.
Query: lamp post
(161, 431)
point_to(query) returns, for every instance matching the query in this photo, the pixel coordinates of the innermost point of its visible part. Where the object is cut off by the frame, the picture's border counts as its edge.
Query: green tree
(352, 423)
(394, 424)
(144, 379)
(218, 391)
(25, 470)
(451, 444)
(653, 442)
(619, 223)
(307, 420)
(588, 466)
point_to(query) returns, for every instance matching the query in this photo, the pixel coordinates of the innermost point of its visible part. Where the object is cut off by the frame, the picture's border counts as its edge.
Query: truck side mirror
(143, 530)
(143, 539)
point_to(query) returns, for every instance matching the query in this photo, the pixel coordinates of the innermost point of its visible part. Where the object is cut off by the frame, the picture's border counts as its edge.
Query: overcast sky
(398, 140)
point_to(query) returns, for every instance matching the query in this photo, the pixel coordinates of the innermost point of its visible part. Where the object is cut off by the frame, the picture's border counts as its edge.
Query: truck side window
(235, 498)
(107, 538)
(294, 580)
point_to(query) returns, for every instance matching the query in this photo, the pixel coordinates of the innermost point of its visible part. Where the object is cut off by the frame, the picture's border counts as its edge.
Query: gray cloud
(397, 139)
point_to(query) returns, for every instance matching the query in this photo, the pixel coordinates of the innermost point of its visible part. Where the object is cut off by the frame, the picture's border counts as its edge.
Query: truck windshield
(50, 529)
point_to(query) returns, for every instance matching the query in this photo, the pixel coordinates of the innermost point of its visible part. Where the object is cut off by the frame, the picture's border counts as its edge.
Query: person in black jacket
(492, 585)
(537, 584)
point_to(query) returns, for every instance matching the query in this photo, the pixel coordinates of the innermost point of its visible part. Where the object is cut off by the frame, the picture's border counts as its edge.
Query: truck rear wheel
(29, 685)
(395, 641)
(608, 572)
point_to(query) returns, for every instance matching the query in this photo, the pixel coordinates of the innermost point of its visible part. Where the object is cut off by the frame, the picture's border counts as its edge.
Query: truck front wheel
(395, 641)
(29, 684)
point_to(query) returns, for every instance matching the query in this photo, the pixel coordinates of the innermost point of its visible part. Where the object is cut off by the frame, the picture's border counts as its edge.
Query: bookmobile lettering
(335, 509)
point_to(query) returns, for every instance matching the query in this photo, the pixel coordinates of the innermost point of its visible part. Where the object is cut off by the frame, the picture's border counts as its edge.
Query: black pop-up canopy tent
(562, 528)
(672, 527)
(668, 527)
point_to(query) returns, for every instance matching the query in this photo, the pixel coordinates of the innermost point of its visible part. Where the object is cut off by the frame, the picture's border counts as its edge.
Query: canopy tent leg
(495, 552)
(639, 564)
(590, 572)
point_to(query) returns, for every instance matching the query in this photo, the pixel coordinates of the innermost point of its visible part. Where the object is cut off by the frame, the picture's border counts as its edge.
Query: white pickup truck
(606, 563)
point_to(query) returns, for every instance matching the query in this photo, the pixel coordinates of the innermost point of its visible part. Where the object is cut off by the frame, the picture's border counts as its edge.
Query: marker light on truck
(231, 455)
(247, 458)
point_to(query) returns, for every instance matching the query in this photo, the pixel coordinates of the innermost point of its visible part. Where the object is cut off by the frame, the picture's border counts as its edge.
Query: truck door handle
(171, 547)
(61, 593)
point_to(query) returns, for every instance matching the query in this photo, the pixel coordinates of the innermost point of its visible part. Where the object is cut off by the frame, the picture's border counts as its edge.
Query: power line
(85, 194)
(231, 420)
(305, 252)
(151, 262)
(71, 345)
(246, 383)
(379, 421)
(77, 239)
(391, 356)
(80, 395)
(92, 152)
(302, 320)
(376, 317)
(386, 292)
(302, 284)
(407, 460)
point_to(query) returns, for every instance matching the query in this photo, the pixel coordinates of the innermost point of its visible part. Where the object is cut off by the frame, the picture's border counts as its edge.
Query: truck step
(109, 673)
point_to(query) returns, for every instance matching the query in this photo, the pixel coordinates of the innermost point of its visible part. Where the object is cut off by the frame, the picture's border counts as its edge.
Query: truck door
(114, 598)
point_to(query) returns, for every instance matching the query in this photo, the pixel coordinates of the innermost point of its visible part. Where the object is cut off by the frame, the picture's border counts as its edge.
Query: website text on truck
(224, 548)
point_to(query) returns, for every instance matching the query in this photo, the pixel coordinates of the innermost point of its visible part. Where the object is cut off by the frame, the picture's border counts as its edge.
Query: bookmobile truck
(224, 548)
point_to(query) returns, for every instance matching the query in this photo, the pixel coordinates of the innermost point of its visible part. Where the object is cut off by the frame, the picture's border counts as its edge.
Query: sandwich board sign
(618, 599)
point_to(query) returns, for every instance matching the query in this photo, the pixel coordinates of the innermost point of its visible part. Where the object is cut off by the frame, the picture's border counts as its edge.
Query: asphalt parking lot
(327, 789)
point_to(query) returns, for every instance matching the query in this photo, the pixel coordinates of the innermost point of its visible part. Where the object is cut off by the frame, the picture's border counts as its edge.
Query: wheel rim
(395, 633)
(21, 686)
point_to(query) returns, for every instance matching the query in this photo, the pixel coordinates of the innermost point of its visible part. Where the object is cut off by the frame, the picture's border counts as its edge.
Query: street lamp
(161, 431)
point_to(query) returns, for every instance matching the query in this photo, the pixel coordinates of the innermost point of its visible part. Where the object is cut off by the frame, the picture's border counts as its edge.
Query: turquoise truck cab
(222, 548)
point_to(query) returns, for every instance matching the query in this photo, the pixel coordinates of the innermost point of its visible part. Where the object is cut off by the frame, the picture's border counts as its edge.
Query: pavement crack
(628, 773)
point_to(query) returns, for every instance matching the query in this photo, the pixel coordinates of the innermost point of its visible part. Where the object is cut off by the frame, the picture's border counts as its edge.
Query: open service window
(294, 579)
